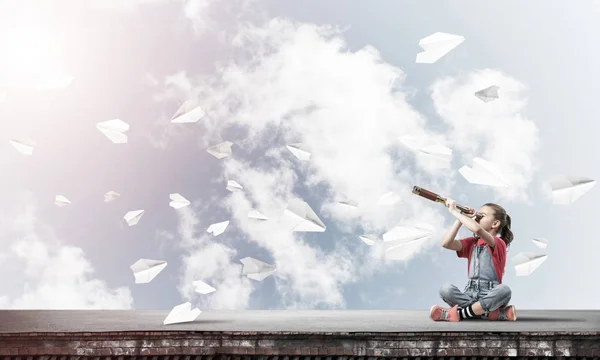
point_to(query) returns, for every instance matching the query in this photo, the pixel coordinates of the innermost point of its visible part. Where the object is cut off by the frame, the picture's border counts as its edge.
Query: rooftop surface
(309, 321)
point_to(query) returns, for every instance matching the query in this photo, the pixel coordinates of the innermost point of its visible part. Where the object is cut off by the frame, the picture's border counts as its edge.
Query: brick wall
(296, 346)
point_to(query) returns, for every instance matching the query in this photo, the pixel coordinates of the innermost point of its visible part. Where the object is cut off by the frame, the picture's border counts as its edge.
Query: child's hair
(505, 232)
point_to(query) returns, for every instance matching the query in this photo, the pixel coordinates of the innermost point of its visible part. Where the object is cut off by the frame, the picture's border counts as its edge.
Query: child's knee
(503, 291)
(446, 291)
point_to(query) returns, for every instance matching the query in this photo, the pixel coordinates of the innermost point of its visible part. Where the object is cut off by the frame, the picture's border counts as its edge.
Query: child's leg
(498, 296)
(453, 296)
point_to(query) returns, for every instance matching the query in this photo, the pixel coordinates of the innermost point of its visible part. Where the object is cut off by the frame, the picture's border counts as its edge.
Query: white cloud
(299, 83)
(212, 262)
(496, 131)
(46, 273)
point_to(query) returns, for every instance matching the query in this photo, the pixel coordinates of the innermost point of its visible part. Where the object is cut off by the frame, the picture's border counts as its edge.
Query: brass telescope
(429, 195)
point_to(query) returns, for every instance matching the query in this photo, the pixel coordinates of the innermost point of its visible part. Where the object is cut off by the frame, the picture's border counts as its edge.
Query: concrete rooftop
(310, 321)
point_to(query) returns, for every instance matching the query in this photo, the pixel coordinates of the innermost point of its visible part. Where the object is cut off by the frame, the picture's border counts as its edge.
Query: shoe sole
(515, 313)
(430, 311)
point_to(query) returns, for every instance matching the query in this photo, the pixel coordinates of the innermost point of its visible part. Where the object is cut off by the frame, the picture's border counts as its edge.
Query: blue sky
(339, 76)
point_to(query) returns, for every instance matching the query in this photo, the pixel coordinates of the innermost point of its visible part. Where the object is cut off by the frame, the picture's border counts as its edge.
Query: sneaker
(504, 313)
(438, 313)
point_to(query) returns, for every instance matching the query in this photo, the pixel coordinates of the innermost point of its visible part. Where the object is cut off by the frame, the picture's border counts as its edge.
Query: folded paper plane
(302, 217)
(483, 173)
(60, 200)
(369, 239)
(218, 228)
(567, 189)
(114, 130)
(178, 201)
(255, 269)
(181, 314)
(233, 186)
(299, 150)
(133, 217)
(488, 94)
(254, 214)
(540, 242)
(110, 196)
(189, 112)
(437, 45)
(203, 288)
(220, 150)
(24, 145)
(144, 270)
(527, 262)
(428, 149)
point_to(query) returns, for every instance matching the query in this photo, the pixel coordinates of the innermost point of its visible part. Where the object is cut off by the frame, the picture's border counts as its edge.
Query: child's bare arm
(449, 241)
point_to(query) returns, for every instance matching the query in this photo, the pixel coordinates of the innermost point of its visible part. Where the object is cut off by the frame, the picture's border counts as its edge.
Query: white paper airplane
(178, 201)
(344, 200)
(203, 288)
(181, 314)
(483, 173)
(389, 198)
(369, 239)
(488, 94)
(567, 189)
(233, 186)
(540, 242)
(401, 235)
(114, 130)
(254, 214)
(24, 145)
(255, 269)
(218, 228)
(299, 150)
(437, 45)
(425, 147)
(527, 262)
(303, 217)
(189, 112)
(111, 195)
(220, 150)
(60, 200)
(144, 270)
(133, 217)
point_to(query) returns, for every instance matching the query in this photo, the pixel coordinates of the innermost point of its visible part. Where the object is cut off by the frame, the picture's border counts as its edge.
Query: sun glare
(32, 59)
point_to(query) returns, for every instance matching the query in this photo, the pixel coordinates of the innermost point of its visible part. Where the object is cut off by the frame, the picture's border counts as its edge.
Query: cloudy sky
(338, 76)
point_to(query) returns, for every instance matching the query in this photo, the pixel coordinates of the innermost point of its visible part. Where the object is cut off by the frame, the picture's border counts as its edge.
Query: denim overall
(482, 286)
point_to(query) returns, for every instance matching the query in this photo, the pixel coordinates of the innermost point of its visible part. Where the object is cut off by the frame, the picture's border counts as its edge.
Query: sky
(338, 76)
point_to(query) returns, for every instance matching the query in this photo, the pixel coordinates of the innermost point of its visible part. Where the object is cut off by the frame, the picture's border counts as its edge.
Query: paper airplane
(255, 269)
(181, 314)
(344, 200)
(254, 214)
(299, 150)
(303, 217)
(233, 186)
(60, 200)
(189, 112)
(220, 150)
(401, 235)
(133, 217)
(218, 228)
(178, 201)
(428, 148)
(567, 189)
(144, 270)
(203, 288)
(114, 130)
(483, 173)
(437, 45)
(24, 145)
(369, 239)
(488, 94)
(540, 242)
(527, 263)
(111, 195)
(389, 198)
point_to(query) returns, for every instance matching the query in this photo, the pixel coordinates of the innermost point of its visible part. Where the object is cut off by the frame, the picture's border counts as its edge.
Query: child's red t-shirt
(498, 253)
